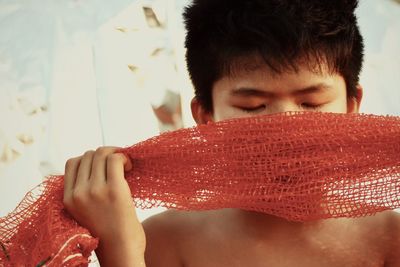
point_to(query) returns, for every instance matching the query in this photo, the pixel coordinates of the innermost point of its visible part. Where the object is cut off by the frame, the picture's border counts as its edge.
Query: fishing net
(298, 166)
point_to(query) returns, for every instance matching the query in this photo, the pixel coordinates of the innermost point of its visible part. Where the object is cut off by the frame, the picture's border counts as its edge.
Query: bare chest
(293, 252)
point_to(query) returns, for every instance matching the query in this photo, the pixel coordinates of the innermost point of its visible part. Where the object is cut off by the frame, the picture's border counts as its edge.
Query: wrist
(128, 237)
(129, 253)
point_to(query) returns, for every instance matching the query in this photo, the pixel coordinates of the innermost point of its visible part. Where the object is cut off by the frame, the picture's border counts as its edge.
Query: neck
(263, 224)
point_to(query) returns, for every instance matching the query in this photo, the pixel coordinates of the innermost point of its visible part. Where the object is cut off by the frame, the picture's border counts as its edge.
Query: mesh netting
(298, 166)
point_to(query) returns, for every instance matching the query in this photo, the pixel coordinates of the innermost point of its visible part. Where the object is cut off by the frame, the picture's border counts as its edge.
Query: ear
(354, 102)
(200, 115)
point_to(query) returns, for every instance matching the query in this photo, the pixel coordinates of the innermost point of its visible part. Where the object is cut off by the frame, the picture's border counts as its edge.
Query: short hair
(222, 34)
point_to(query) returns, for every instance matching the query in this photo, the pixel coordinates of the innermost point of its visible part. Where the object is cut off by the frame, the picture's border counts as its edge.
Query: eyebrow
(245, 91)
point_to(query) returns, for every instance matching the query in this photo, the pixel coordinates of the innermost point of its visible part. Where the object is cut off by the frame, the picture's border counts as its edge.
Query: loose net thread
(298, 166)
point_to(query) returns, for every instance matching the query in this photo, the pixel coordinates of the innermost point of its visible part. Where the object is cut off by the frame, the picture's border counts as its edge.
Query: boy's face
(257, 92)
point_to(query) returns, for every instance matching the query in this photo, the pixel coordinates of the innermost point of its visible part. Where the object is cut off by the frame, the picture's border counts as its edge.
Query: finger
(115, 167)
(99, 166)
(71, 170)
(85, 168)
(127, 163)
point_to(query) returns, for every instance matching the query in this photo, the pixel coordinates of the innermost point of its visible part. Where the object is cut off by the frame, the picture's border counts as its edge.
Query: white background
(68, 58)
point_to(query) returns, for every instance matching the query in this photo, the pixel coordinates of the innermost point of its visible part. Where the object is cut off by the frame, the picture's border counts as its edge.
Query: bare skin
(98, 198)
(240, 238)
(97, 195)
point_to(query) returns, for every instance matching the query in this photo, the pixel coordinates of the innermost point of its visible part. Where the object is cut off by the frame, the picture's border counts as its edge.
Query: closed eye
(252, 109)
(310, 106)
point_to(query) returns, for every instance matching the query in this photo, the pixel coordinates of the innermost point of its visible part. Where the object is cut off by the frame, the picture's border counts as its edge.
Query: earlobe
(354, 102)
(200, 115)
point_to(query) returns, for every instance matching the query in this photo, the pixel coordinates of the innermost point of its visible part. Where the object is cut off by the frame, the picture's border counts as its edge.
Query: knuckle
(112, 158)
(67, 202)
(88, 153)
(95, 193)
(78, 196)
(102, 151)
(113, 194)
(70, 163)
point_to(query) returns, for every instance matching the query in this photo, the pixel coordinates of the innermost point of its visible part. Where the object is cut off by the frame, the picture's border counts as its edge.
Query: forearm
(124, 255)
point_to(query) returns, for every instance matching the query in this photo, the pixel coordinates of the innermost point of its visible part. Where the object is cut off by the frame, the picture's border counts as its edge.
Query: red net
(299, 166)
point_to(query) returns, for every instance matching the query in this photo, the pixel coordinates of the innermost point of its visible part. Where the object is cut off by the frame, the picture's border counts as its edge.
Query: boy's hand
(97, 195)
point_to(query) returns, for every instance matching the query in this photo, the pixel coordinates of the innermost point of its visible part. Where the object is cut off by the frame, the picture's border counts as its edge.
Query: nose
(283, 106)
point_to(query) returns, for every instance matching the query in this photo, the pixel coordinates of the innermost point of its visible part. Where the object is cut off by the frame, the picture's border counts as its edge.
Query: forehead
(253, 62)
(264, 73)
(259, 76)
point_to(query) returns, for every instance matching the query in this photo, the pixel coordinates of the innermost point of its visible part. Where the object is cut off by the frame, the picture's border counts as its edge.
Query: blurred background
(79, 74)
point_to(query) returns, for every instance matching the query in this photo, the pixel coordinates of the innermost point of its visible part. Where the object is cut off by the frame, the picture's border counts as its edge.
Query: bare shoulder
(161, 239)
(165, 234)
(393, 220)
(388, 221)
(384, 231)
(174, 223)
(381, 225)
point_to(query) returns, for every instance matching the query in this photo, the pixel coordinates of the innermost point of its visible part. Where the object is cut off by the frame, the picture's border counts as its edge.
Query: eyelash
(262, 107)
(310, 106)
(252, 110)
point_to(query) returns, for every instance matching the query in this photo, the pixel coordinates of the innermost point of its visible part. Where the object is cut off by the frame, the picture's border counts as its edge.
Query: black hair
(222, 34)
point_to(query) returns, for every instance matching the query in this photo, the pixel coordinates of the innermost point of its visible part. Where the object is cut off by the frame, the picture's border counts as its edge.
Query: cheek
(224, 112)
(339, 105)
(222, 109)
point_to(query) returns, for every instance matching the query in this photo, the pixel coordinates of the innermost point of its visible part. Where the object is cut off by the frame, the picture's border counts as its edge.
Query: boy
(245, 57)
